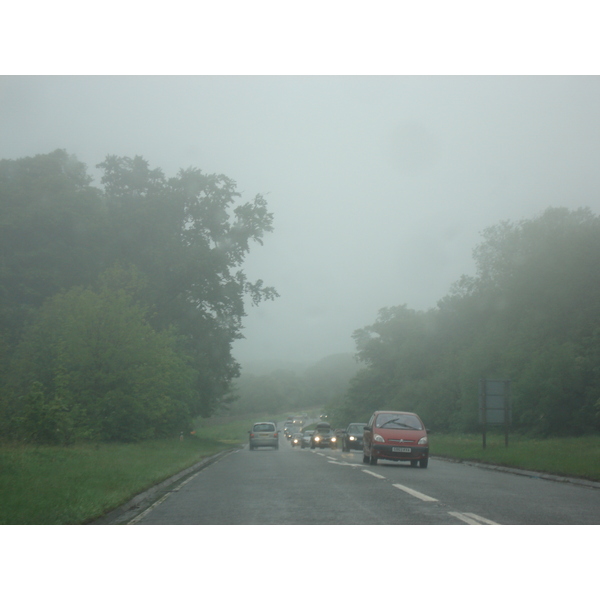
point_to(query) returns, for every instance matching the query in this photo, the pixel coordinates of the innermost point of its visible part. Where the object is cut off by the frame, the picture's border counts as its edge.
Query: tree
(530, 314)
(189, 238)
(51, 234)
(90, 366)
(173, 248)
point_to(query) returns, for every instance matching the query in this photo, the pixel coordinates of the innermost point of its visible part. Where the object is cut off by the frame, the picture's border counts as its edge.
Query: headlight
(378, 438)
(317, 439)
(423, 441)
(334, 439)
(352, 438)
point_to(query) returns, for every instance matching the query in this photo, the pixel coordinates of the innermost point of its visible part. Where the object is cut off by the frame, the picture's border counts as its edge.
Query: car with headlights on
(287, 429)
(352, 438)
(296, 439)
(263, 434)
(323, 436)
(396, 435)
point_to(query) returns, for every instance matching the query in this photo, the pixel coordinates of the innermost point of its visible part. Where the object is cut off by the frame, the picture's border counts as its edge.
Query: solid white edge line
(408, 490)
(161, 500)
(148, 510)
(374, 474)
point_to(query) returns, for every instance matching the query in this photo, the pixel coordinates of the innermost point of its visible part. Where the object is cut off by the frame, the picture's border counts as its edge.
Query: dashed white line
(414, 493)
(469, 518)
(472, 519)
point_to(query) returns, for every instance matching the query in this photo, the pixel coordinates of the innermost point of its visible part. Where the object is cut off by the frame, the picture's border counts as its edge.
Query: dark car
(287, 428)
(323, 436)
(296, 439)
(395, 435)
(306, 438)
(352, 438)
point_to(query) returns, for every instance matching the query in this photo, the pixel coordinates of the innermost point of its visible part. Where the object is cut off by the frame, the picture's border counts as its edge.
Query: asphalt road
(330, 487)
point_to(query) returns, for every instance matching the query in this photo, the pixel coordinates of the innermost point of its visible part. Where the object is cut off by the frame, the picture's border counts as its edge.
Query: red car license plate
(399, 449)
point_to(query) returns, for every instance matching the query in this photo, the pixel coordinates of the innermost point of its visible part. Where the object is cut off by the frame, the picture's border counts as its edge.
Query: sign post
(494, 405)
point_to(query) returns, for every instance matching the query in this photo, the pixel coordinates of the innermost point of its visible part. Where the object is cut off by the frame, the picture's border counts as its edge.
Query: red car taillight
(251, 435)
(276, 434)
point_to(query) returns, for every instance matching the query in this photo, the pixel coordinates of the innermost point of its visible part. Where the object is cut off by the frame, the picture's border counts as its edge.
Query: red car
(395, 435)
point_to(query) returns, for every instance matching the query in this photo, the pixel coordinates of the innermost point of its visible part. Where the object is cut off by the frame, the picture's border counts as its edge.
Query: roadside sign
(494, 405)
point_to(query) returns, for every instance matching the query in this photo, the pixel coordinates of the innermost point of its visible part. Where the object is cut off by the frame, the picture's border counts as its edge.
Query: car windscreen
(356, 429)
(264, 427)
(395, 421)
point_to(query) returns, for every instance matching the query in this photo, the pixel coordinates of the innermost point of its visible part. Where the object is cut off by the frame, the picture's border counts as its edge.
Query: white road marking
(414, 493)
(472, 519)
(151, 508)
(161, 500)
(374, 474)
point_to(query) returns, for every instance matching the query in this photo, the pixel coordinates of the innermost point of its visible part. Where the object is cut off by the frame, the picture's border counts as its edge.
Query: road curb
(126, 512)
(533, 474)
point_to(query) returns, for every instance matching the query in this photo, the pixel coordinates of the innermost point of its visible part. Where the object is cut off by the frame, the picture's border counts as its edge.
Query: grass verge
(53, 485)
(568, 456)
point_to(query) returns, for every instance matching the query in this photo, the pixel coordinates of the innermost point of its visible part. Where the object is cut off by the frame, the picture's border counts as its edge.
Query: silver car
(264, 434)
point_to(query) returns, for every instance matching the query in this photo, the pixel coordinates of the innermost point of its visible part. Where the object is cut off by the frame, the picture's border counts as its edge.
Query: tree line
(119, 304)
(530, 314)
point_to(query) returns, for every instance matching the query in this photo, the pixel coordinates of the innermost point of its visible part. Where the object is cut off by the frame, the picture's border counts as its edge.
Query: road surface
(293, 486)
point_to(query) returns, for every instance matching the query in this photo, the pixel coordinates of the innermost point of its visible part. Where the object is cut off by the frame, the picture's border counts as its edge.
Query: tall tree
(190, 238)
(530, 314)
(175, 247)
(51, 233)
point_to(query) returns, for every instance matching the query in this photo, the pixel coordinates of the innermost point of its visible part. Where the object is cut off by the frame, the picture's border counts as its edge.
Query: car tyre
(251, 447)
(414, 463)
(365, 459)
(423, 463)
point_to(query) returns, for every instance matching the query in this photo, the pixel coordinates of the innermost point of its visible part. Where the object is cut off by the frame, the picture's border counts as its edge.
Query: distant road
(330, 487)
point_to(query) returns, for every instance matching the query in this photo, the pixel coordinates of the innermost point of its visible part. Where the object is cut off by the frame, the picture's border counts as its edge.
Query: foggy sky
(380, 185)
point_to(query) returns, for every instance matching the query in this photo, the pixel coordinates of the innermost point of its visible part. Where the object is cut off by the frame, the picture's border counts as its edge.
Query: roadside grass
(55, 485)
(565, 456)
(49, 485)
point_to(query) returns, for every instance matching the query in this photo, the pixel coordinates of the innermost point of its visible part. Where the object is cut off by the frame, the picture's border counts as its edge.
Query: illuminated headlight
(378, 438)
(423, 441)
(334, 439)
(317, 439)
(352, 438)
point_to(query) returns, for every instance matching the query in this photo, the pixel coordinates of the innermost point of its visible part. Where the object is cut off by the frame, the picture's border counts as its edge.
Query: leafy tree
(158, 258)
(190, 240)
(92, 358)
(51, 223)
(530, 314)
